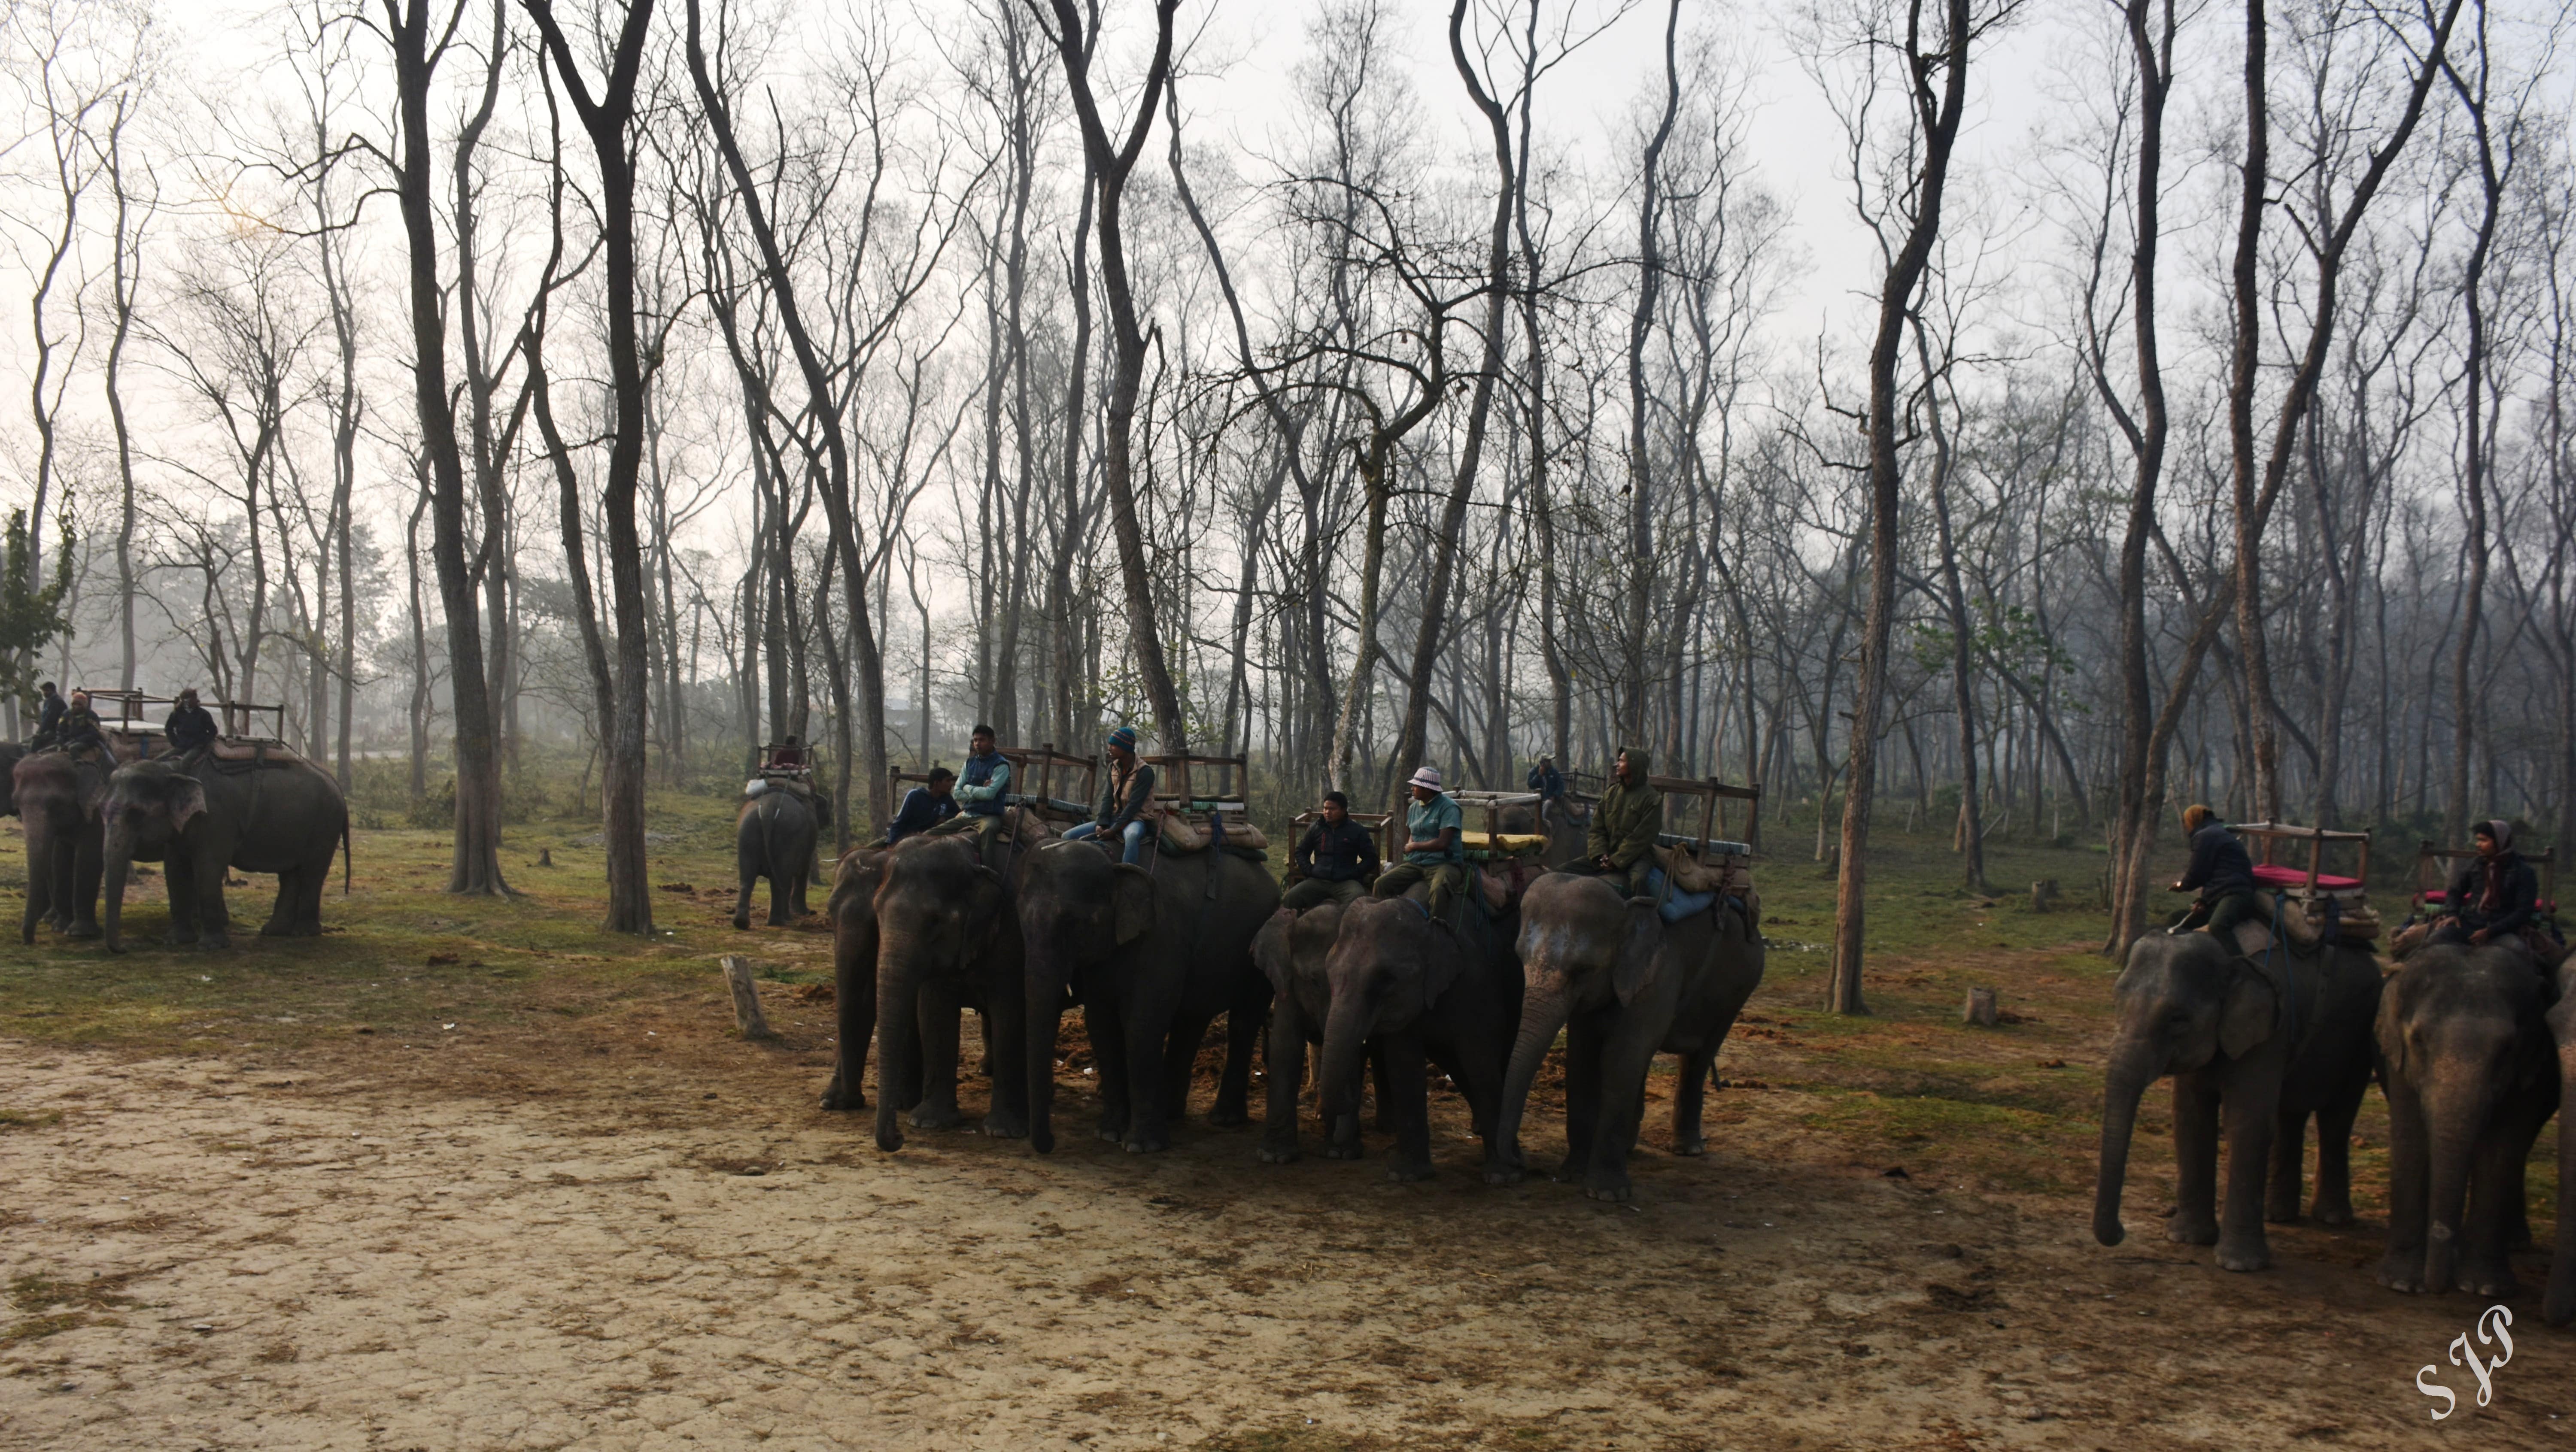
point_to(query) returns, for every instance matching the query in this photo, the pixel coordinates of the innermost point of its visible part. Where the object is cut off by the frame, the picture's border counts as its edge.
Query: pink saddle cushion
(2274, 875)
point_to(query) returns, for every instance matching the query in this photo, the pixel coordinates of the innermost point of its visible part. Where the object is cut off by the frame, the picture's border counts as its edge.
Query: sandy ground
(473, 1246)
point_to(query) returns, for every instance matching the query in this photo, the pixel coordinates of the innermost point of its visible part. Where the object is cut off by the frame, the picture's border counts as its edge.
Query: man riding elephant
(983, 784)
(1431, 851)
(2220, 871)
(1621, 844)
(1125, 811)
(2496, 895)
(1335, 859)
(81, 730)
(191, 728)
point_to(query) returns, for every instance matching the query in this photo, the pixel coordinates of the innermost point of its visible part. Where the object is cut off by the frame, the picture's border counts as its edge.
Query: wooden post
(1981, 1009)
(746, 999)
(2043, 895)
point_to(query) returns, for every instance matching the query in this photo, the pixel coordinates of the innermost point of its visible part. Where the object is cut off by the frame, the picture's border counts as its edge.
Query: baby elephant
(1381, 974)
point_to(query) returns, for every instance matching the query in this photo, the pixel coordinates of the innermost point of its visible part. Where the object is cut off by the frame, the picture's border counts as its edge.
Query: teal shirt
(1424, 821)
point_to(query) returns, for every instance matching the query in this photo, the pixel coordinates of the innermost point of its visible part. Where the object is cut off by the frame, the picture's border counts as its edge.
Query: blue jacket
(981, 784)
(920, 812)
(1547, 781)
(2219, 864)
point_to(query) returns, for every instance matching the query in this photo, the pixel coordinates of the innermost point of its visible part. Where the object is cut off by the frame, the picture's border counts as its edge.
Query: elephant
(1564, 823)
(58, 795)
(1624, 985)
(936, 935)
(2465, 1056)
(2558, 1307)
(1380, 980)
(1153, 955)
(773, 837)
(2268, 1041)
(279, 814)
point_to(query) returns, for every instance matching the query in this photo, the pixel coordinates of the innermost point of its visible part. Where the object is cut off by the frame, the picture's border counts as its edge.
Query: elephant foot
(937, 1116)
(2192, 1230)
(2246, 1256)
(839, 1100)
(1404, 1173)
(2402, 1273)
(1228, 1116)
(741, 922)
(82, 931)
(2337, 1216)
(1002, 1124)
(1505, 1174)
(2493, 1282)
(2273, 1216)
(1343, 1149)
(178, 939)
(1141, 1143)
(1279, 1154)
(1693, 1146)
(1616, 1192)
(276, 930)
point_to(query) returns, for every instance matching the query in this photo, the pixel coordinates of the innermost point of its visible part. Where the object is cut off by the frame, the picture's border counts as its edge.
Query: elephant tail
(348, 856)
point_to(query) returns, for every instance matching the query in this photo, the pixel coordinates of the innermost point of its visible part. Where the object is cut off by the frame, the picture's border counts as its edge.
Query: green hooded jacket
(1627, 819)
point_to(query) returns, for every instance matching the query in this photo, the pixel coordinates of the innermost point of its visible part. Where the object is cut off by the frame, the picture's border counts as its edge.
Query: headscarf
(2500, 829)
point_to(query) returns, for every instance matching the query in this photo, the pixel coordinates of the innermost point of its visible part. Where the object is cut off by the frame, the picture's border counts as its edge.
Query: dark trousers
(1309, 892)
(2222, 915)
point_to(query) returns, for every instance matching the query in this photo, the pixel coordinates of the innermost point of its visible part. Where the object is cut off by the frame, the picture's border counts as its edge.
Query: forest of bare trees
(2102, 405)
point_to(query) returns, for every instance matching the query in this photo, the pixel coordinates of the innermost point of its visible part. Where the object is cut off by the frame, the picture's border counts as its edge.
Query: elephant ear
(187, 800)
(1440, 967)
(1636, 965)
(2246, 1019)
(1271, 951)
(854, 884)
(1134, 901)
(987, 903)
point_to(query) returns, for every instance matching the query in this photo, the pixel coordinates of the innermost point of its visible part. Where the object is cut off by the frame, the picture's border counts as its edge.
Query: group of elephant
(89, 820)
(1152, 955)
(2474, 1046)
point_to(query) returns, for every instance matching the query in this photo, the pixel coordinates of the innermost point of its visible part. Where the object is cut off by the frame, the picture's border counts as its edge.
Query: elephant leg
(2521, 1132)
(1287, 1066)
(2333, 1202)
(179, 884)
(1006, 1048)
(938, 1026)
(2252, 1104)
(1403, 1061)
(89, 864)
(749, 873)
(2195, 1120)
(63, 880)
(214, 917)
(1688, 1137)
(1381, 1092)
(1583, 1048)
(1625, 1058)
(1181, 1059)
(2289, 1162)
(1107, 1028)
(39, 888)
(1243, 1020)
(1146, 1018)
(2496, 1212)
(281, 914)
(2410, 1186)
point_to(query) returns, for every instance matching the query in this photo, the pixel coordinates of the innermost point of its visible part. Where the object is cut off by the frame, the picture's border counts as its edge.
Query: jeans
(1136, 835)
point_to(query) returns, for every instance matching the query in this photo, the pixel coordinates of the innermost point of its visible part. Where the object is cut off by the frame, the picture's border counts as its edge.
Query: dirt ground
(626, 1235)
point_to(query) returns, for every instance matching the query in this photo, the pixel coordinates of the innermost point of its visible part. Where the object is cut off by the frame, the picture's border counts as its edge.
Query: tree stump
(545, 857)
(2043, 894)
(746, 999)
(1981, 1009)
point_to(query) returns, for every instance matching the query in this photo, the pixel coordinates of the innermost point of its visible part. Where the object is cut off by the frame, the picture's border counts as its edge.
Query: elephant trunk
(899, 973)
(2456, 1106)
(2134, 1066)
(1346, 1031)
(1043, 980)
(118, 850)
(1543, 1017)
(2559, 1306)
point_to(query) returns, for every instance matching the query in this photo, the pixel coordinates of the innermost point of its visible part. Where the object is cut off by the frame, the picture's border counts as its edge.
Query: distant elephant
(11, 753)
(2559, 1306)
(773, 837)
(281, 814)
(2267, 1041)
(945, 939)
(2466, 1058)
(1153, 956)
(58, 796)
(1564, 822)
(1391, 985)
(1623, 984)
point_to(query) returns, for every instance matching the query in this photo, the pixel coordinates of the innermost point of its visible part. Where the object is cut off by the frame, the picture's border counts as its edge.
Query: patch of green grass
(37, 1328)
(24, 1119)
(31, 1294)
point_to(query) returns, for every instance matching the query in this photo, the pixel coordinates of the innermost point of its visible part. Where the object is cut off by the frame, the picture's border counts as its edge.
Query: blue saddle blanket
(1676, 905)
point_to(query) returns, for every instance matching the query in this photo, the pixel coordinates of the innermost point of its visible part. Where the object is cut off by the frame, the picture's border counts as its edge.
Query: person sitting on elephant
(1625, 823)
(1126, 804)
(1547, 781)
(2220, 871)
(191, 727)
(1432, 853)
(1334, 860)
(984, 785)
(2496, 896)
(49, 717)
(787, 755)
(924, 807)
(81, 727)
